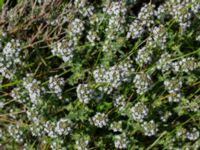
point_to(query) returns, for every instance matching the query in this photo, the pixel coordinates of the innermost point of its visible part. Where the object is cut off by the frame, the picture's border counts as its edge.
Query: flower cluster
(77, 27)
(164, 63)
(33, 88)
(117, 12)
(121, 141)
(144, 56)
(56, 84)
(185, 134)
(82, 143)
(16, 133)
(10, 58)
(174, 87)
(179, 10)
(87, 11)
(99, 119)
(150, 128)
(19, 95)
(193, 105)
(49, 129)
(139, 112)
(57, 144)
(159, 36)
(146, 15)
(187, 65)
(100, 74)
(120, 103)
(114, 76)
(63, 49)
(193, 135)
(135, 30)
(63, 126)
(84, 93)
(92, 37)
(142, 82)
(116, 126)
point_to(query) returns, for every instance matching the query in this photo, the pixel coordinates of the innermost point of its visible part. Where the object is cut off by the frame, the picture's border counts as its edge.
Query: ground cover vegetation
(100, 74)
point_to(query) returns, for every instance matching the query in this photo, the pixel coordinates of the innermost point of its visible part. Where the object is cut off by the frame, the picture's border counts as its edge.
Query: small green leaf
(1, 3)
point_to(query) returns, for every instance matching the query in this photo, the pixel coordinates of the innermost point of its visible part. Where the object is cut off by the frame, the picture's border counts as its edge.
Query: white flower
(139, 112)
(100, 120)
(193, 135)
(63, 49)
(121, 141)
(56, 84)
(33, 87)
(1, 105)
(150, 128)
(63, 126)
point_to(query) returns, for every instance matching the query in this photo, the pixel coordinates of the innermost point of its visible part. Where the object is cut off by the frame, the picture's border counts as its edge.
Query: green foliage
(1, 3)
(100, 74)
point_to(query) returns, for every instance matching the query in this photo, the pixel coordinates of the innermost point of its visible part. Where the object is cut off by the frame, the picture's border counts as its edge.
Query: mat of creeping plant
(100, 74)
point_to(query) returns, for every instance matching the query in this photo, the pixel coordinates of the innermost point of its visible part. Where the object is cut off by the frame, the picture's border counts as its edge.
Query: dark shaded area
(11, 3)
